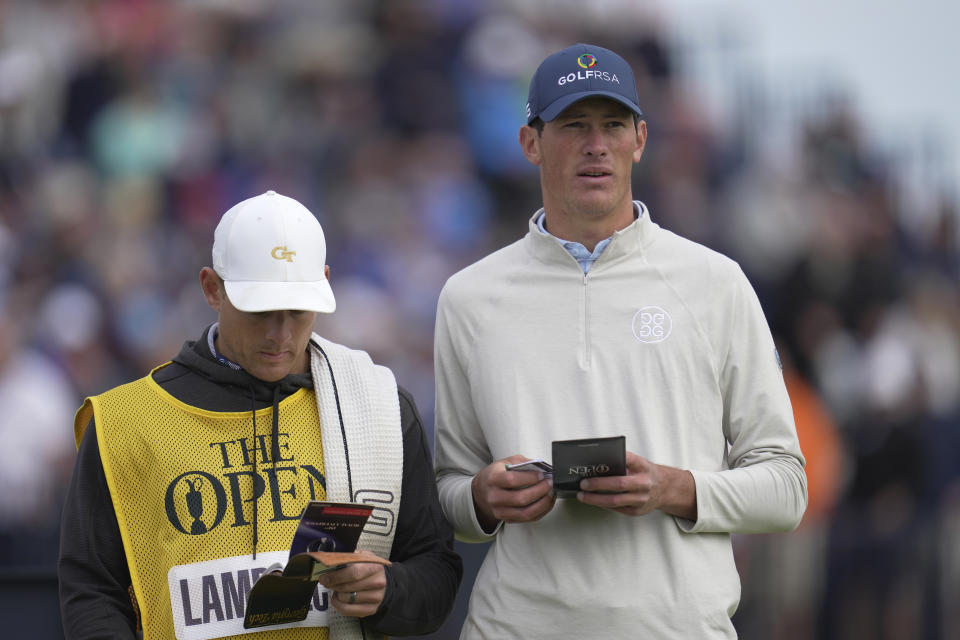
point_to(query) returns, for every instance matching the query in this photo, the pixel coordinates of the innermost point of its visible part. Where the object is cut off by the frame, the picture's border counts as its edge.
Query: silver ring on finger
(353, 597)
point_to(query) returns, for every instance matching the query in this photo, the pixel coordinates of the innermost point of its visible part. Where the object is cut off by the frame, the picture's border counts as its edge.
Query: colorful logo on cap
(587, 61)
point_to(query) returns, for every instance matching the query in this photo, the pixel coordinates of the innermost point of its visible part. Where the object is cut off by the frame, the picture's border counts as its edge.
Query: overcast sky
(896, 58)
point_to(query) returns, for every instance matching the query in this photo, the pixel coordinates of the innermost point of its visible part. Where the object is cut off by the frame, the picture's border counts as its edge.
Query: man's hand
(647, 486)
(510, 496)
(357, 589)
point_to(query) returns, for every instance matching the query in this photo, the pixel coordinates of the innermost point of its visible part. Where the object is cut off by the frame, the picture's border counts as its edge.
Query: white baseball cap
(270, 252)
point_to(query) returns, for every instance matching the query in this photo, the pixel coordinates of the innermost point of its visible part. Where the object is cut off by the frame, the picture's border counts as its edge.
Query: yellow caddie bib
(184, 482)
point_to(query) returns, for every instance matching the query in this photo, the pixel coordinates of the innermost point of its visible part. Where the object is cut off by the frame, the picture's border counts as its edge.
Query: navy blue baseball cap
(578, 72)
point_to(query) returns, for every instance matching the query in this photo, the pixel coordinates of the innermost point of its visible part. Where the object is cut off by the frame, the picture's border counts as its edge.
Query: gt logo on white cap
(251, 252)
(281, 253)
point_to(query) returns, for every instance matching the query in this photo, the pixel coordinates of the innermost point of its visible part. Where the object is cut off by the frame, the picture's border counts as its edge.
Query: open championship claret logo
(197, 501)
(589, 470)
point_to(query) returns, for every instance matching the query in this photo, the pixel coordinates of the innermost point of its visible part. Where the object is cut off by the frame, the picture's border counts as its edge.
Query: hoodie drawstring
(343, 430)
(275, 436)
(253, 412)
(274, 452)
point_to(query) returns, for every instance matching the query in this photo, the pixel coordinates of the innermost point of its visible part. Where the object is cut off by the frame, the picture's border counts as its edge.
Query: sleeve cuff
(456, 496)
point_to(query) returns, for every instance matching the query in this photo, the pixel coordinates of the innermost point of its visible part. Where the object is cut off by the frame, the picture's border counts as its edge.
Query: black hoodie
(94, 577)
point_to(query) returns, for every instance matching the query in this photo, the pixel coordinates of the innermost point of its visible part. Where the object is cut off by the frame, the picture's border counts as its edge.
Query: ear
(212, 287)
(326, 272)
(530, 144)
(641, 140)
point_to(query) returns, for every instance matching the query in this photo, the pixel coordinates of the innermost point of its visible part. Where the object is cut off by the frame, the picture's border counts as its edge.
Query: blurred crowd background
(127, 127)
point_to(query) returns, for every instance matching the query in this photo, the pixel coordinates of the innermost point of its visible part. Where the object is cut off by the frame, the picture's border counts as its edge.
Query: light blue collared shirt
(579, 252)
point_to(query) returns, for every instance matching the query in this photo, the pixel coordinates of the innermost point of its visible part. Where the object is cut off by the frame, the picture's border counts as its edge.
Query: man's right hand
(510, 496)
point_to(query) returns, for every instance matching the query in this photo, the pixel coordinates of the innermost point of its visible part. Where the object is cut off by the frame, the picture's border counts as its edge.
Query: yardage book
(574, 460)
(325, 540)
